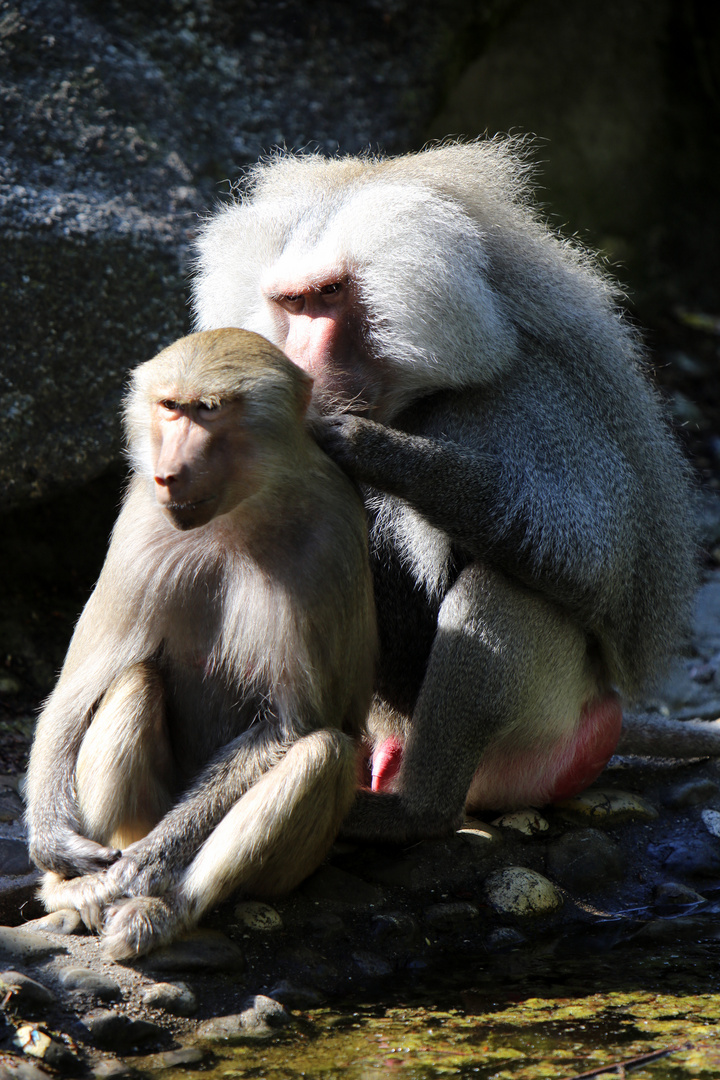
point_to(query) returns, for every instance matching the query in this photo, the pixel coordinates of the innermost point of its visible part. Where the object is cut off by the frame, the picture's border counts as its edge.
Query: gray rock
(65, 921)
(692, 793)
(20, 1069)
(585, 859)
(175, 998)
(16, 942)
(694, 857)
(112, 1069)
(394, 926)
(110, 1030)
(326, 925)
(26, 994)
(184, 1057)
(205, 950)
(261, 1019)
(295, 997)
(92, 983)
(369, 963)
(450, 916)
(673, 892)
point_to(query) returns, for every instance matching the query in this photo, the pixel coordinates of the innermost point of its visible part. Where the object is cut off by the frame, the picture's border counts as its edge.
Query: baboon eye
(333, 287)
(205, 407)
(292, 302)
(170, 405)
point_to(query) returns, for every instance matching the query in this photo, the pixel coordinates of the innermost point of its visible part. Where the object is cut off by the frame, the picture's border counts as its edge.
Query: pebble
(394, 925)
(93, 983)
(27, 994)
(516, 890)
(673, 892)
(262, 1018)
(692, 793)
(18, 942)
(608, 807)
(112, 1030)
(17, 1069)
(695, 857)
(450, 916)
(504, 937)
(528, 822)
(65, 921)
(585, 858)
(711, 821)
(174, 1059)
(684, 928)
(113, 1069)
(258, 916)
(205, 950)
(369, 963)
(326, 925)
(175, 998)
(295, 997)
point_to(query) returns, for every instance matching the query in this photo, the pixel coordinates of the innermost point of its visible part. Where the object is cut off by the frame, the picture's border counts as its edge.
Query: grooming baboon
(206, 719)
(529, 512)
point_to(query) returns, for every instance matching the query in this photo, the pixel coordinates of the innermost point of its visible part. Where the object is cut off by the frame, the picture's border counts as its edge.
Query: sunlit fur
(203, 660)
(530, 515)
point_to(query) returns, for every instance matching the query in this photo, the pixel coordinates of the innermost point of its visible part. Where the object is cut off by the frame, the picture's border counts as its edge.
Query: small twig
(622, 1067)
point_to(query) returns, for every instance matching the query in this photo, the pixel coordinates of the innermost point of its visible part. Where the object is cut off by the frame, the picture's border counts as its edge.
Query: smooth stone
(371, 964)
(14, 858)
(111, 1030)
(175, 998)
(295, 997)
(19, 1069)
(692, 793)
(504, 937)
(394, 925)
(682, 928)
(35, 1042)
(528, 822)
(262, 1019)
(89, 982)
(450, 916)
(711, 821)
(113, 1069)
(64, 921)
(19, 942)
(183, 1057)
(325, 925)
(673, 892)
(696, 857)
(26, 992)
(516, 890)
(607, 807)
(258, 916)
(205, 950)
(585, 858)
(332, 885)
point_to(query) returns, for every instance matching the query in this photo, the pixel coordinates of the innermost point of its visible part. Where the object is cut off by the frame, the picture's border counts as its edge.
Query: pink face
(324, 328)
(203, 460)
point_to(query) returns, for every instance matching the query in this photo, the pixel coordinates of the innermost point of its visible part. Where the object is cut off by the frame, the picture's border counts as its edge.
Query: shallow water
(551, 1010)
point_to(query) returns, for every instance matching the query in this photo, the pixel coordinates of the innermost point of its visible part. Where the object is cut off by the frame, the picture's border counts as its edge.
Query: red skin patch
(527, 778)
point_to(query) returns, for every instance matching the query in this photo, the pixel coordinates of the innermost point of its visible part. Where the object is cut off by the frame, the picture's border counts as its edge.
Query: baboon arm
(562, 541)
